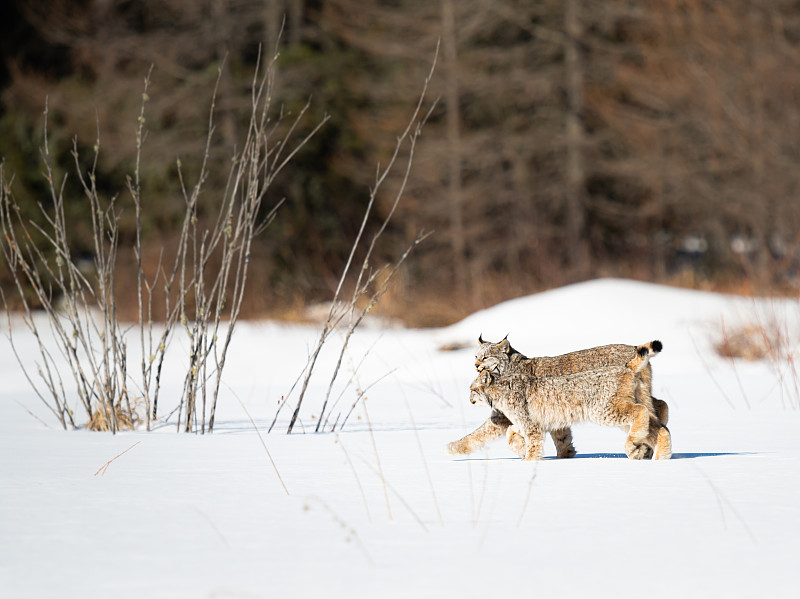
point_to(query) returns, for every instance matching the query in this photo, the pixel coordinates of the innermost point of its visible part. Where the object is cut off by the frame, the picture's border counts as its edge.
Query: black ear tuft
(657, 347)
(480, 339)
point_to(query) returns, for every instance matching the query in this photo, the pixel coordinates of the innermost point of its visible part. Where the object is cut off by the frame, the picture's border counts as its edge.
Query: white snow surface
(379, 509)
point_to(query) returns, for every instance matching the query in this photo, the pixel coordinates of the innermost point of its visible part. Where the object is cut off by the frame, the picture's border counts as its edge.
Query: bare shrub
(752, 342)
(770, 336)
(368, 284)
(202, 281)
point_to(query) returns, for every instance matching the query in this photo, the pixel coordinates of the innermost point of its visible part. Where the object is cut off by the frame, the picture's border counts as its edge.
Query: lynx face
(477, 390)
(494, 357)
(493, 364)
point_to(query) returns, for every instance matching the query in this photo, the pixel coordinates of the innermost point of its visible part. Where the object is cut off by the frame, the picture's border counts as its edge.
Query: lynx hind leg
(657, 446)
(623, 410)
(644, 387)
(663, 449)
(638, 416)
(656, 406)
(642, 395)
(494, 428)
(661, 409)
(563, 441)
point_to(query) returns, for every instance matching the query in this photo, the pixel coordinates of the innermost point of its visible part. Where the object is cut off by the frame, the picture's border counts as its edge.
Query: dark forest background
(654, 139)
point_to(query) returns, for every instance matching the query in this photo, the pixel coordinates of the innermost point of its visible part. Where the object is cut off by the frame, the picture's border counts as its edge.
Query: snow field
(379, 509)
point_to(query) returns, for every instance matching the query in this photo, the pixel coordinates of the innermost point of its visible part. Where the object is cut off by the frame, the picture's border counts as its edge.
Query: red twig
(104, 467)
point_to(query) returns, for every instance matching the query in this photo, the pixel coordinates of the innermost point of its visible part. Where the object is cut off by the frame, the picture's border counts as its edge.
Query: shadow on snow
(610, 456)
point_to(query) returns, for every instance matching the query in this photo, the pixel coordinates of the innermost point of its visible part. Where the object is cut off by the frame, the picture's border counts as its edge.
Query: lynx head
(494, 357)
(477, 390)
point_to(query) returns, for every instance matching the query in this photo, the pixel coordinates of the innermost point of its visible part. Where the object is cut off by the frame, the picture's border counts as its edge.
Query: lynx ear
(505, 346)
(485, 377)
(480, 339)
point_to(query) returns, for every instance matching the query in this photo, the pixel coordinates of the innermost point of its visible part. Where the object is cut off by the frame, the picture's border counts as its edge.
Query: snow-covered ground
(380, 510)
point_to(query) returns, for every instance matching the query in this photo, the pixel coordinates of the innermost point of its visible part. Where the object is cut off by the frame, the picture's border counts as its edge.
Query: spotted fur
(500, 358)
(606, 396)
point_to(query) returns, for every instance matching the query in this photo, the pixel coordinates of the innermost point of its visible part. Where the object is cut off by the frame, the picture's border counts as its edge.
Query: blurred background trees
(572, 138)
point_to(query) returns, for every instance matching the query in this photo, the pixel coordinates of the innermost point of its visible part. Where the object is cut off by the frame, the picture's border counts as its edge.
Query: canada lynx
(604, 395)
(500, 358)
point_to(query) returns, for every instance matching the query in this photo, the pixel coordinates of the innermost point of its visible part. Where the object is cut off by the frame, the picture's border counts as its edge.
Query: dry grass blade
(751, 342)
(377, 460)
(721, 498)
(399, 497)
(422, 456)
(102, 470)
(355, 474)
(122, 419)
(264, 445)
(527, 496)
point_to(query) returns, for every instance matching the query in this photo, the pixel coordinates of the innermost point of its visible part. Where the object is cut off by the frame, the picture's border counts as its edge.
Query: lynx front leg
(528, 445)
(638, 451)
(492, 429)
(516, 442)
(563, 440)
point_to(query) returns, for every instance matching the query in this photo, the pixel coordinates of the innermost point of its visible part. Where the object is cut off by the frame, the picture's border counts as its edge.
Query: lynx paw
(563, 443)
(516, 442)
(566, 451)
(639, 452)
(457, 448)
(663, 445)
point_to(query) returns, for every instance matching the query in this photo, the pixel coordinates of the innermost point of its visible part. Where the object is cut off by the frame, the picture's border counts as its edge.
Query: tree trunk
(272, 26)
(453, 119)
(575, 174)
(226, 90)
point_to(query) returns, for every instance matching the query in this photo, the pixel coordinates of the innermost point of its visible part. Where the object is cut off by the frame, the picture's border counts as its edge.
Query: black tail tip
(657, 347)
(642, 351)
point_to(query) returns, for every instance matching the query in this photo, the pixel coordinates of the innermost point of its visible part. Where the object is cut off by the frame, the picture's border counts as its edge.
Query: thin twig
(734, 368)
(700, 354)
(263, 444)
(355, 474)
(336, 312)
(399, 497)
(720, 497)
(527, 495)
(377, 460)
(102, 470)
(422, 455)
